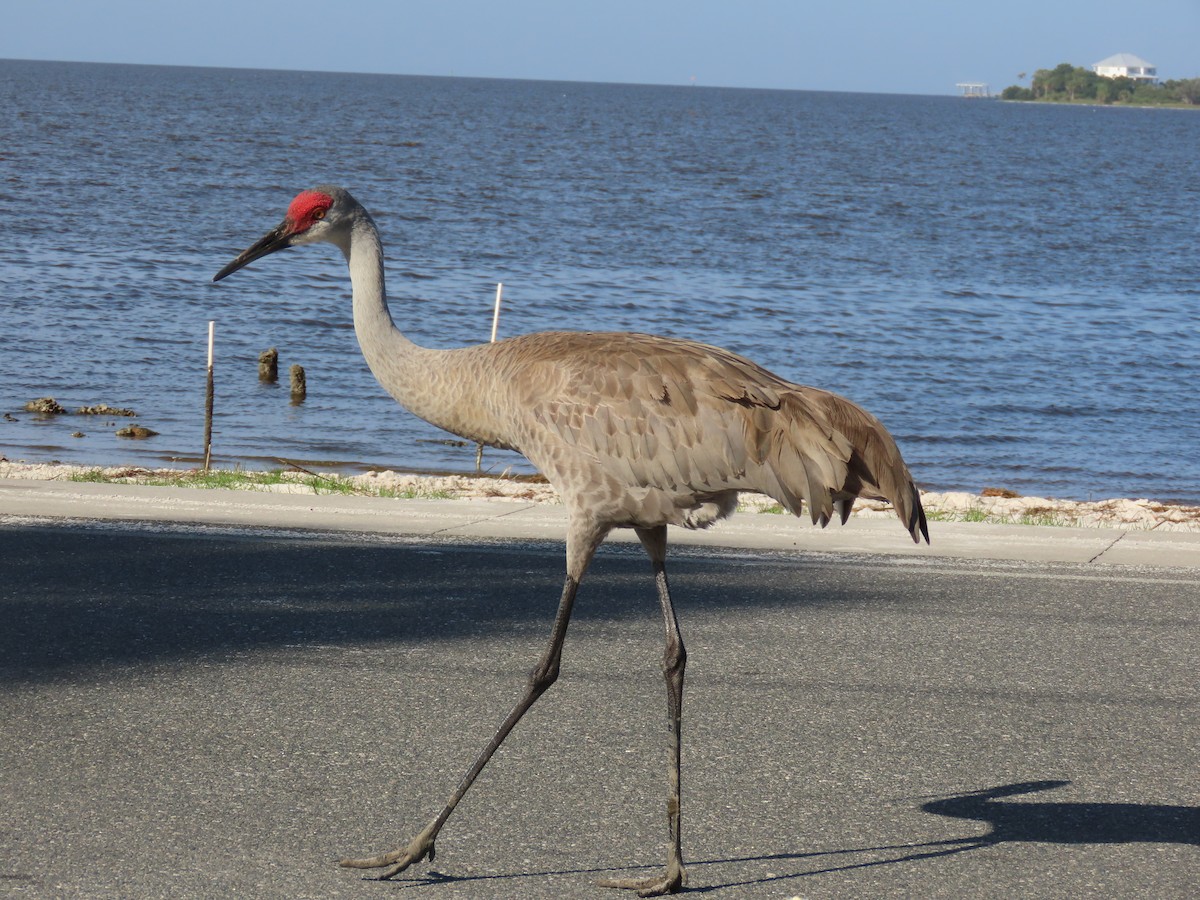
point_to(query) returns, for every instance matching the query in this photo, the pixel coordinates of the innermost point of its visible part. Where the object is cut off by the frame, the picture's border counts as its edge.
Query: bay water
(1011, 288)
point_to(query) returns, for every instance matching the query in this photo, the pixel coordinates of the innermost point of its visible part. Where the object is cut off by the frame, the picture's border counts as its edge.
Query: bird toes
(671, 881)
(421, 847)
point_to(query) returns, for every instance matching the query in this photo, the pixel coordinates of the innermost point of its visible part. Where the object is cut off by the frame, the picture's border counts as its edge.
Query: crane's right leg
(582, 542)
(673, 877)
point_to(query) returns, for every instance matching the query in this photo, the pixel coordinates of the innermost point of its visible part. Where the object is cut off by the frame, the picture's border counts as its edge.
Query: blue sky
(895, 46)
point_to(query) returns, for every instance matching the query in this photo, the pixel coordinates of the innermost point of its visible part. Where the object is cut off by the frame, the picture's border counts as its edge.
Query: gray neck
(427, 382)
(377, 333)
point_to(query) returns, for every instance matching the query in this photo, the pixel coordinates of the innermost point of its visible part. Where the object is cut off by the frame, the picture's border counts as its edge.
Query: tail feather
(860, 459)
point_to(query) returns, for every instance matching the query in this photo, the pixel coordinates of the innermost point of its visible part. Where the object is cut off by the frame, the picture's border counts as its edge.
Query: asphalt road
(209, 712)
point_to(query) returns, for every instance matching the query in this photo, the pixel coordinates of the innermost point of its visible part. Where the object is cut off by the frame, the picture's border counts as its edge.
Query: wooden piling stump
(268, 366)
(299, 383)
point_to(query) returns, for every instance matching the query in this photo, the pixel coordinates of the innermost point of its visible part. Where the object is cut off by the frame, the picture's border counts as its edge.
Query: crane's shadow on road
(1010, 822)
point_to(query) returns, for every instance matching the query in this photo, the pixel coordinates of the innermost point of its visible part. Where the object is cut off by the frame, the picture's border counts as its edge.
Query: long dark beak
(278, 239)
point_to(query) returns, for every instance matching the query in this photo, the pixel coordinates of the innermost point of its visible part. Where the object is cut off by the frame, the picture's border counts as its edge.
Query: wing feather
(692, 422)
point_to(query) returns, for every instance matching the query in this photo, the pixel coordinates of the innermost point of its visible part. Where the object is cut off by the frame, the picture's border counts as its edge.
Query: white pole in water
(496, 314)
(208, 401)
(495, 325)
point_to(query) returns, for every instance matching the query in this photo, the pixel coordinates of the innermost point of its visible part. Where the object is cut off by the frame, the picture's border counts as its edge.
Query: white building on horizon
(1126, 65)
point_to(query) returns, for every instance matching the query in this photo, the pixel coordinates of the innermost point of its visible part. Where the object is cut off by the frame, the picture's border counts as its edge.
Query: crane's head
(313, 215)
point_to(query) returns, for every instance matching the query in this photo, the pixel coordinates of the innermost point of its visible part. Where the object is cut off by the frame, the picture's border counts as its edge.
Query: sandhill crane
(634, 431)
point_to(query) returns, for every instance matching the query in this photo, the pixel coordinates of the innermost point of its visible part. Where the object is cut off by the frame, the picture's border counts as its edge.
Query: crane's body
(661, 432)
(633, 430)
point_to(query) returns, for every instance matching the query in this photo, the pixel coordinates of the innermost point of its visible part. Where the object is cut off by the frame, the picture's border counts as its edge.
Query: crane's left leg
(673, 877)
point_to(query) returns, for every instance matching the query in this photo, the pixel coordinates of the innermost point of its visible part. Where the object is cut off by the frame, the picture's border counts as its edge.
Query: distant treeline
(1066, 83)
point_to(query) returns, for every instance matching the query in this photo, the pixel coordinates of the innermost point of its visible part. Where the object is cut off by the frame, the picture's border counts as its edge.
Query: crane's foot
(419, 848)
(671, 881)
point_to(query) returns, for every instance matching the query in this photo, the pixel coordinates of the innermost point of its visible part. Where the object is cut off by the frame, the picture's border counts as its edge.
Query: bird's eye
(318, 213)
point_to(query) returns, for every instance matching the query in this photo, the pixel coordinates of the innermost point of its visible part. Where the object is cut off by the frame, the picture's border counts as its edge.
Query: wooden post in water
(208, 401)
(299, 384)
(495, 325)
(268, 366)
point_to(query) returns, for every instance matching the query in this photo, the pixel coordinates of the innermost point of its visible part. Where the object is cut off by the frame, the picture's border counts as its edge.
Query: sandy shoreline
(1141, 515)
